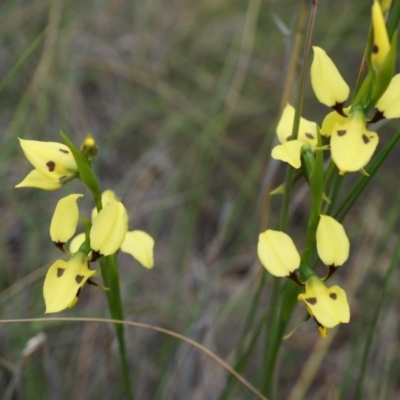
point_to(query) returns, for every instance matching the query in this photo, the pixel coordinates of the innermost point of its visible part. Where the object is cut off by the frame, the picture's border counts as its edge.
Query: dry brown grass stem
(168, 332)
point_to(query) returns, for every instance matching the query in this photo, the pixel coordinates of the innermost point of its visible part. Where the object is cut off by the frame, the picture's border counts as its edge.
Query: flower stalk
(104, 234)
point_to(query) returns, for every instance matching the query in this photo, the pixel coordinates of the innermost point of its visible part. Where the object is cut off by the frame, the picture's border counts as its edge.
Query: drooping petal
(308, 132)
(37, 180)
(352, 145)
(278, 253)
(65, 219)
(139, 245)
(389, 103)
(330, 121)
(307, 129)
(51, 159)
(381, 43)
(289, 152)
(333, 245)
(76, 243)
(328, 306)
(285, 124)
(328, 85)
(109, 229)
(63, 281)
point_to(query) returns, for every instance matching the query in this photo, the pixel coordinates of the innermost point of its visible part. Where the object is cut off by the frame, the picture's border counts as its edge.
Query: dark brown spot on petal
(95, 256)
(342, 132)
(365, 139)
(51, 165)
(375, 49)
(310, 136)
(60, 272)
(79, 278)
(333, 296)
(60, 246)
(377, 117)
(64, 151)
(338, 107)
(311, 300)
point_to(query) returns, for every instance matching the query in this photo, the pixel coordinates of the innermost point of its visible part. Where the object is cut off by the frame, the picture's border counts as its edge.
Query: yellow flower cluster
(108, 233)
(54, 166)
(352, 145)
(279, 255)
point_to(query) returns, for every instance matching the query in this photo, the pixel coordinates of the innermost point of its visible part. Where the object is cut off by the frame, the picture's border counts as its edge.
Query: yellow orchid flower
(331, 120)
(137, 243)
(328, 306)
(352, 145)
(64, 280)
(290, 149)
(279, 255)
(381, 43)
(65, 219)
(53, 162)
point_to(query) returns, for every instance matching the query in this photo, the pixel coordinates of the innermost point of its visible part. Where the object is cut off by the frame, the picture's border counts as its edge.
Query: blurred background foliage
(183, 99)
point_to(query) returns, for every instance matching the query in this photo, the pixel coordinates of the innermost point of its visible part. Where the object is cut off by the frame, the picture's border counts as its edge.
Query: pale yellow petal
(308, 132)
(285, 124)
(109, 229)
(329, 306)
(328, 85)
(140, 246)
(51, 159)
(307, 129)
(37, 180)
(76, 242)
(63, 280)
(330, 121)
(278, 253)
(381, 44)
(107, 197)
(389, 103)
(289, 152)
(333, 245)
(352, 146)
(65, 219)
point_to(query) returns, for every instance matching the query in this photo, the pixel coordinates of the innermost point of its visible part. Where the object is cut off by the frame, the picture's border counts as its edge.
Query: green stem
(336, 184)
(274, 326)
(110, 275)
(108, 265)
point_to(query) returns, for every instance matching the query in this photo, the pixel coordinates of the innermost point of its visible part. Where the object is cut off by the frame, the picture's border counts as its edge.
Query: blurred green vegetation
(183, 99)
